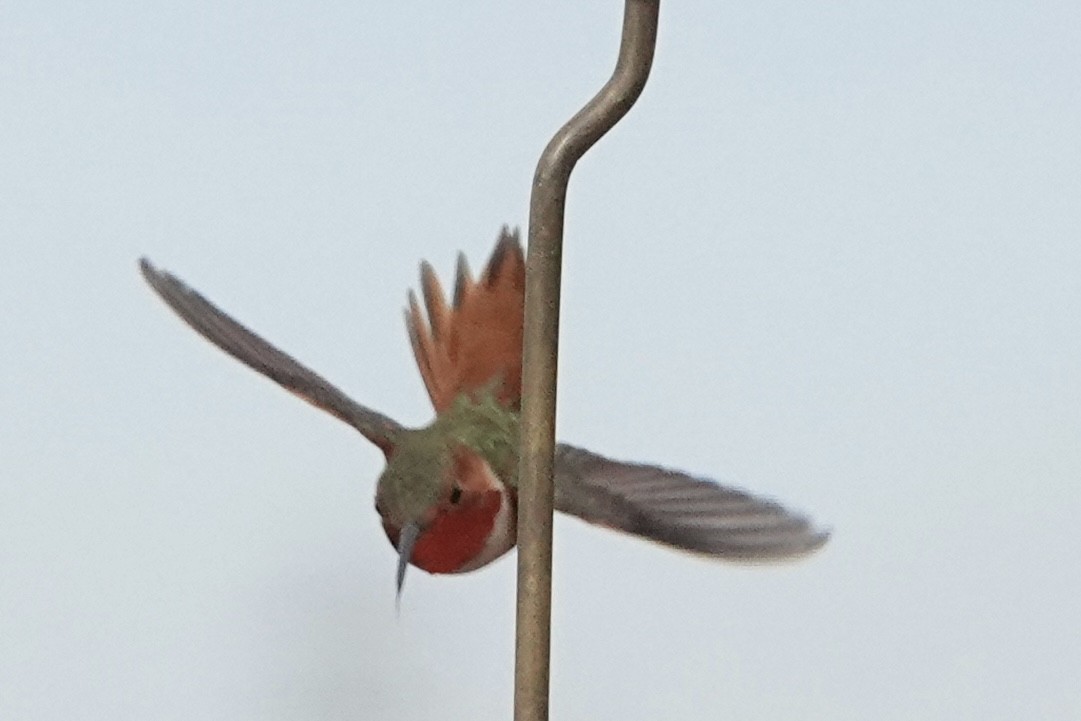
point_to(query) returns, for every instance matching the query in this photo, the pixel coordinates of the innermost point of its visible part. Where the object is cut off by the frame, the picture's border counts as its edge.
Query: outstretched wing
(475, 341)
(251, 350)
(679, 510)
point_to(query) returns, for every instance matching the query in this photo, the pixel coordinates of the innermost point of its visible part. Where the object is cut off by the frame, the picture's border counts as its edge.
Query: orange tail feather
(477, 340)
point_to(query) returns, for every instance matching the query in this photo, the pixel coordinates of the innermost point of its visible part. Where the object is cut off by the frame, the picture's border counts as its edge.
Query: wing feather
(258, 354)
(692, 514)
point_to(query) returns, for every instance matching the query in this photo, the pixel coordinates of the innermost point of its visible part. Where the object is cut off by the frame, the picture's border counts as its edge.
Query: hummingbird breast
(466, 538)
(501, 537)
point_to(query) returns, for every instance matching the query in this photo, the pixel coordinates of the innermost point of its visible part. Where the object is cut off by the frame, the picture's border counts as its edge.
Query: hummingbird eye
(455, 494)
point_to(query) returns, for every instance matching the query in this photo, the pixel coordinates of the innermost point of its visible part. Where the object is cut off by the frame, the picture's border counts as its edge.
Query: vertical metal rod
(543, 266)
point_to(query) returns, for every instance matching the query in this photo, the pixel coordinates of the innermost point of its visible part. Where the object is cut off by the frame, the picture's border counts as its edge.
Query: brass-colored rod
(541, 341)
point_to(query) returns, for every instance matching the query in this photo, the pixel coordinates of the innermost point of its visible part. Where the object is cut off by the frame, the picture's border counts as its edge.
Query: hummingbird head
(442, 505)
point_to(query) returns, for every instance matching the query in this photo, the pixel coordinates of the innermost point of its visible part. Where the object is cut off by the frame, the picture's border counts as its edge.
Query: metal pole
(541, 340)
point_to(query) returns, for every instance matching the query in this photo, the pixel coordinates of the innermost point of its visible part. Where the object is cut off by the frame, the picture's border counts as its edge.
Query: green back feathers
(488, 428)
(413, 481)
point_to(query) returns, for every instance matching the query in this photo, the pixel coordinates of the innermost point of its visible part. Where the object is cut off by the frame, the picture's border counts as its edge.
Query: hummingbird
(447, 497)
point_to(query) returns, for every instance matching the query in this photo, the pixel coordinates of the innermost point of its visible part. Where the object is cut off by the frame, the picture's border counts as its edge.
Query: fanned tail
(476, 341)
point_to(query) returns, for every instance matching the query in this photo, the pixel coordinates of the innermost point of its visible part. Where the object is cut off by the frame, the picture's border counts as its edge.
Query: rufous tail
(476, 340)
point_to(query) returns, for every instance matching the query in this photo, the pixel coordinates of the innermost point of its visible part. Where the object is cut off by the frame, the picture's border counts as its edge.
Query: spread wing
(251, 350)
(476, 340)
(679, 510)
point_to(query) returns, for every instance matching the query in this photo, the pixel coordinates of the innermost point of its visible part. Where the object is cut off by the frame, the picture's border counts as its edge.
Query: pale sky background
(832, 255)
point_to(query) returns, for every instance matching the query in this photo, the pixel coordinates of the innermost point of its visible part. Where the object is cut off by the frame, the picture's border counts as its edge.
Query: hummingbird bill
(447, 497)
